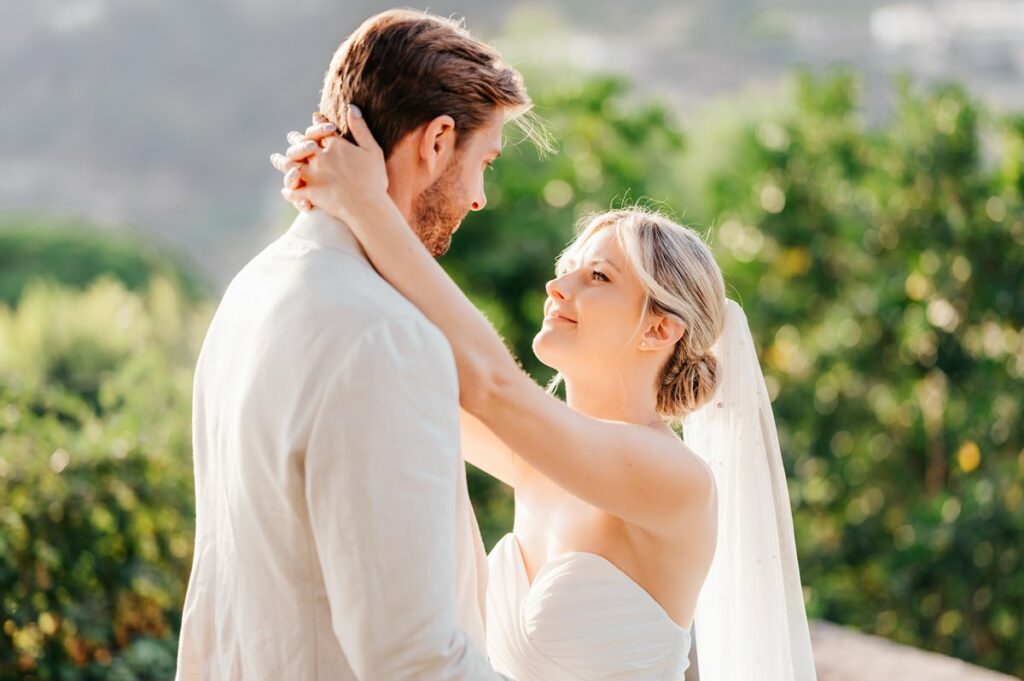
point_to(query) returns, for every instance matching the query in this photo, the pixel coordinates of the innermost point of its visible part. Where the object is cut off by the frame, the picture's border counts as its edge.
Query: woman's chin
(544, 349)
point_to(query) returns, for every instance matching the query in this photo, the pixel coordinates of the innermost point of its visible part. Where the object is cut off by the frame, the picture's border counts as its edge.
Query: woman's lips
(558, 319)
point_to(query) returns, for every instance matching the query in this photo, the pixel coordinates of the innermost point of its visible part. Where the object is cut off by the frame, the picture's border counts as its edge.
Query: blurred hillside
(162, 114)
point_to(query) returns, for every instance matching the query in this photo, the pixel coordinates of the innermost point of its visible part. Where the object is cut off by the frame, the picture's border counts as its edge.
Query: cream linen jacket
(334, 533)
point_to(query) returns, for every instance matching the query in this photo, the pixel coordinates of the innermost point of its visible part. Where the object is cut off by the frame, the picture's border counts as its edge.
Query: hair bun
(689, 382)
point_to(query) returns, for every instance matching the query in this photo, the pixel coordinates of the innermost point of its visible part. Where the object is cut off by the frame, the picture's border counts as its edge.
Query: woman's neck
(613, 398)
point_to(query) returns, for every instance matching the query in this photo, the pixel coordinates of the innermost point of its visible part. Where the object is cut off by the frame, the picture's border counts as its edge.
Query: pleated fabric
(583, 618)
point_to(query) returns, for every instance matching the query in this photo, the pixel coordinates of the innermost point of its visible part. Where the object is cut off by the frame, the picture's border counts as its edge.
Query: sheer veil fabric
(750, 619)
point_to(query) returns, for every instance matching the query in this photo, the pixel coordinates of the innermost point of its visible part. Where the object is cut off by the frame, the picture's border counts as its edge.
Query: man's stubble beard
(436, 212)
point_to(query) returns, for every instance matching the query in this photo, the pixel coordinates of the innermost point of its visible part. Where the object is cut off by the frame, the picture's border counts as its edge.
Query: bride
(624, 535)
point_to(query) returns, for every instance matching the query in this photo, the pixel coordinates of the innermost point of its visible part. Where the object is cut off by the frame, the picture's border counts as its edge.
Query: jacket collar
(326, 230)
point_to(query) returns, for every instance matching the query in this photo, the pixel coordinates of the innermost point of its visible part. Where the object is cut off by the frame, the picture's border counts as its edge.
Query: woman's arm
(480, 446)
(639, 474)
(485, 450)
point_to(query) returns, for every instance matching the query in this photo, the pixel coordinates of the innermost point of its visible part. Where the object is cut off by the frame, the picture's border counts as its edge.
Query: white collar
(326, 230)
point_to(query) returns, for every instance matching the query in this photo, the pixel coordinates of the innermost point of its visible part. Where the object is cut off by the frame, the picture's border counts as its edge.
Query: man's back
(330, 499)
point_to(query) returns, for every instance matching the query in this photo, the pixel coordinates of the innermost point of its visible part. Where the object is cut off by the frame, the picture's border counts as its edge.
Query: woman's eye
(600, 276)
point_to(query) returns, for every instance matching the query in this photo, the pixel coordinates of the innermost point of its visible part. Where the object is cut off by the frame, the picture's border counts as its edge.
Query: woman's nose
(554, 289)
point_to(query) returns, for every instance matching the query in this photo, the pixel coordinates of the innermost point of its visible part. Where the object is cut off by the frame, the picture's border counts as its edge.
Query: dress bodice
(582, 618)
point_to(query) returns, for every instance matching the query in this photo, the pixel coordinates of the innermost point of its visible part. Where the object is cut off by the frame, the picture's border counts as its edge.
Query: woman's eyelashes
(569, 268)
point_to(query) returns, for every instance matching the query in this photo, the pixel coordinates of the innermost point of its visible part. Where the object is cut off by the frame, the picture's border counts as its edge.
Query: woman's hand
(331, 173)
(302, 146)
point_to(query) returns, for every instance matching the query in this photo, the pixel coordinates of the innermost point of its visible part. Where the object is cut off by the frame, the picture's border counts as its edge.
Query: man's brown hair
(404, 68)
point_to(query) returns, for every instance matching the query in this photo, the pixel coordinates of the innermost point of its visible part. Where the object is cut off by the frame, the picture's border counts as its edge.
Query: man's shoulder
(307, 272)
(351, 295)
(303, 285)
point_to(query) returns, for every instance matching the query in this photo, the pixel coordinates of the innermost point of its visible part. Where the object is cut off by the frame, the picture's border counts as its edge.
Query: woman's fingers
(323, 158)
(320, 131)
(282, 162)
(297, 198)
(360, 131)
(293, 178)
(302, 150)
(319, 118)
(303, 146)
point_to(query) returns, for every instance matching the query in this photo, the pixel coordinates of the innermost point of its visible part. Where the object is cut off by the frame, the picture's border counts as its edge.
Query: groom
(334, 534)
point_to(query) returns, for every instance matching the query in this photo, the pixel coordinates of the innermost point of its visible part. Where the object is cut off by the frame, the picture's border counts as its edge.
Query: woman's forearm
(631, 471)
(483, 361)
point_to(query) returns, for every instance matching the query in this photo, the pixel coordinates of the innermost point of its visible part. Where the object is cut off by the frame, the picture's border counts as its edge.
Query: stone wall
(842, 654)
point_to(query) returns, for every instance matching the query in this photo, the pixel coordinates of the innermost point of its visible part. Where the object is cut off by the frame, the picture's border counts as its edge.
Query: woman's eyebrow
(608, 262)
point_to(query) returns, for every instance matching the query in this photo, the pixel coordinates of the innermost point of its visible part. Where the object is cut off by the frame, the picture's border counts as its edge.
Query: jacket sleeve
(381, 467)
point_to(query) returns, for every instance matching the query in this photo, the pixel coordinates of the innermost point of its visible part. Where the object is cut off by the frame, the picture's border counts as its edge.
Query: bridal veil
(751, 624)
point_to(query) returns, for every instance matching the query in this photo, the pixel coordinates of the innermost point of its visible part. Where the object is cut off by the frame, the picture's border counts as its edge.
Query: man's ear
(437, 144)
(662, 332)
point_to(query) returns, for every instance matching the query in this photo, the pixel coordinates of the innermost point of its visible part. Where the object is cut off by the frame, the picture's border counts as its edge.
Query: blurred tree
(76, 253)
(881, 269)
(97, 516)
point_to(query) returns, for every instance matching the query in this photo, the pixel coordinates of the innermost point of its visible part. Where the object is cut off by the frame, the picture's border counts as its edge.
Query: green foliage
(880, 266)
(97, 519)
(881, 269)
(48, 248)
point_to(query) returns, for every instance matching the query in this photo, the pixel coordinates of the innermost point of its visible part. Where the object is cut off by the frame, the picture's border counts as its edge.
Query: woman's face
(593, 311)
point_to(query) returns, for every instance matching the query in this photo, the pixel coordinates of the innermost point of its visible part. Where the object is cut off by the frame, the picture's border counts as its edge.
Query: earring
(643, 344)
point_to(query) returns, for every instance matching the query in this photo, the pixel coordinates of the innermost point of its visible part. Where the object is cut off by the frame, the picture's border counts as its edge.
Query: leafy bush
(97, 520)
(68, 251)
(881, 267)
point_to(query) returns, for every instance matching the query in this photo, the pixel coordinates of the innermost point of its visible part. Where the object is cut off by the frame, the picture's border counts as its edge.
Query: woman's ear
(662, 332)
(437, 145)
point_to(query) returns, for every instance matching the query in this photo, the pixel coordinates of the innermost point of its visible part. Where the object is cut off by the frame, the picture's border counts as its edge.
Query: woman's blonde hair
(681, 280)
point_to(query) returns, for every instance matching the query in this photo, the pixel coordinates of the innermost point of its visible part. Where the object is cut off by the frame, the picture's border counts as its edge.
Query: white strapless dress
(583, 618)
